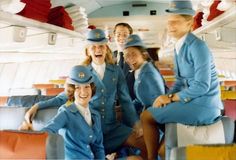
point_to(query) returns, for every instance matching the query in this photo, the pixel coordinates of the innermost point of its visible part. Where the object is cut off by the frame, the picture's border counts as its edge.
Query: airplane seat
(30, 145)
(12, 117)
(43, 116)
(180, 138)
(26, 101)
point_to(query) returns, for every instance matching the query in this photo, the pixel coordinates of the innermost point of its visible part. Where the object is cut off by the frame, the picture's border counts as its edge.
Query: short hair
(124, 25)
(93, 87)
(144, 52)
(70, 85)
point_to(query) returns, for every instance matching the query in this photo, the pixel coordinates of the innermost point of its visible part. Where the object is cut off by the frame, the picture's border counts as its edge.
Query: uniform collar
(81, 108)
(108, 66)
(98, 65)
(137, 72)
(179, 43)
(190, 37)
(74, 109)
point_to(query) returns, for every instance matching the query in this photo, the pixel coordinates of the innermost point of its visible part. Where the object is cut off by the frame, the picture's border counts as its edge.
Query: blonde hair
(188, 18)
(108, 58)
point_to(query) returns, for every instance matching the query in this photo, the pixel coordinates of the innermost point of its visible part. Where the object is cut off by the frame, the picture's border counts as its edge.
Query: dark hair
(93, 87)
(125, 25)
(70, 85)
(144, 52)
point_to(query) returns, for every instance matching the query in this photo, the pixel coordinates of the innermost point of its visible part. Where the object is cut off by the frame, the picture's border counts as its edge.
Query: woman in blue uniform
(65, 97)
(195, 96)
(80, 125)
(110, 82)
(149, 83)
(121, 33)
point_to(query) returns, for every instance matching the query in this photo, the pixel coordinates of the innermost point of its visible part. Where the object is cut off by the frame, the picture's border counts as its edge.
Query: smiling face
(178, 25)
(97, 53)
(121, 33)
(134, 57)
(83, 94)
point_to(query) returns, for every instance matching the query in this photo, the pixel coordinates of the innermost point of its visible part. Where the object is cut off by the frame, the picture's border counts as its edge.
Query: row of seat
(12, 117)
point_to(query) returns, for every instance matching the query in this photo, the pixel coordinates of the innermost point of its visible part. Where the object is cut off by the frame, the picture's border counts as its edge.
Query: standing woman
(149, 83)
(121, 33)
(195, 97)
(110, 82)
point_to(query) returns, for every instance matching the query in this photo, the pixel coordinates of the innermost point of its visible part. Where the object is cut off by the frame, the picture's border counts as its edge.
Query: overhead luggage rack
(12, 19)
(21, 34)
(226, 18)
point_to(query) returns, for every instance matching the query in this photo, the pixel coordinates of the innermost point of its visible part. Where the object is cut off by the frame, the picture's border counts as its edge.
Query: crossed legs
(137, 142)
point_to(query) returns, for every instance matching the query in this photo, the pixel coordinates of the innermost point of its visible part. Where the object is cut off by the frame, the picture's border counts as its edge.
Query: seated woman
(195, 96)
(80, 124)
(149, 84)
(65, 97)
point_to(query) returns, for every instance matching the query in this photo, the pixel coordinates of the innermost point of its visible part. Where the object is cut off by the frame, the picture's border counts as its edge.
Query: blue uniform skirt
(185, 113)
(117, 135)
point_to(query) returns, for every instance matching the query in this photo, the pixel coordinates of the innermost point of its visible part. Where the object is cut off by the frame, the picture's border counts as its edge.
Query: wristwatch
(170, 96)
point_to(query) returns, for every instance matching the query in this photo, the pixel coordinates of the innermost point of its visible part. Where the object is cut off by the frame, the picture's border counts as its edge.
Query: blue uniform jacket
(129, 76)
(57, 101)
(148, 86)
(111, 86)
(196, 76)
(81, 140)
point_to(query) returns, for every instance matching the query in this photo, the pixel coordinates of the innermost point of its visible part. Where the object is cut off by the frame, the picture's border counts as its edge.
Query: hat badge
(130, 39)
(81, 75)
(97, 35)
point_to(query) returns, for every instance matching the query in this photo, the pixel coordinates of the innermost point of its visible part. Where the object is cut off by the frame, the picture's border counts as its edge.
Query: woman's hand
(161, 101)
(138, 129)
(175, 98)
(29, 116)
(25, 126)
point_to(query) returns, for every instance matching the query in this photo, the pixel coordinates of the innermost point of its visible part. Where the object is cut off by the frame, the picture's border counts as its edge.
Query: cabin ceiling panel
(92, 5)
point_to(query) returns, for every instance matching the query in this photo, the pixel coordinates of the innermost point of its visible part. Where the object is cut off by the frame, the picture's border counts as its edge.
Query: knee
(146, 117)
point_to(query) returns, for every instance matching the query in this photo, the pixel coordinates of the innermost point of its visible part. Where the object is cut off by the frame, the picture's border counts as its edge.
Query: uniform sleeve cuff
(183, 98)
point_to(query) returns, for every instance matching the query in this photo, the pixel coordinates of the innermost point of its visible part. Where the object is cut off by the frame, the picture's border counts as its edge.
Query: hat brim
(71, 81)
(104, 40)
(135, 45)
(181, 11)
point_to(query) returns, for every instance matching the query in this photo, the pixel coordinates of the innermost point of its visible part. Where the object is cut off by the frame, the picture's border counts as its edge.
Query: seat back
(43, 116)
(11, 117)
(206, 152)
(30, 145)
(171, 136)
